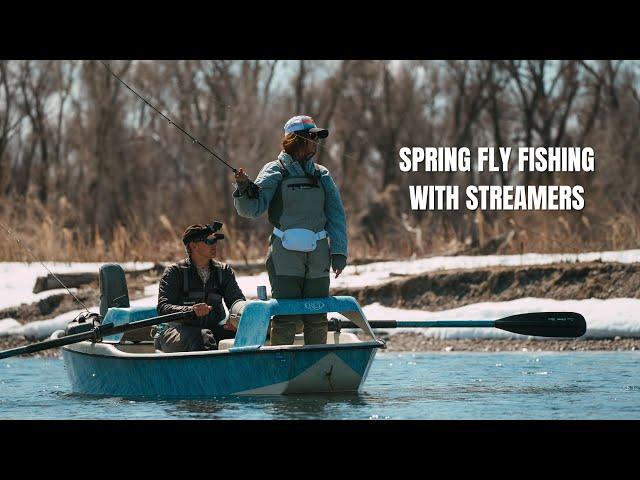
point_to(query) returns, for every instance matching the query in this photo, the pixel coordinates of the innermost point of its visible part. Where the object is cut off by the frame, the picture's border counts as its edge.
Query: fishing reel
(84, 322)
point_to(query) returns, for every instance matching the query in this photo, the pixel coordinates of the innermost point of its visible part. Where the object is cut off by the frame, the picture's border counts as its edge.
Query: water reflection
(310, 406)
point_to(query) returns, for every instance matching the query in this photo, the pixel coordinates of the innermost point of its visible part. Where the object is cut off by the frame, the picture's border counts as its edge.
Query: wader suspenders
(312, 177)
(283, 170)
(203, 297)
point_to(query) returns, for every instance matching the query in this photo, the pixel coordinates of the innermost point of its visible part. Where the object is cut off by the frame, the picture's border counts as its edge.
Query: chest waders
(299, 204)
(192, 294)
(185, 338)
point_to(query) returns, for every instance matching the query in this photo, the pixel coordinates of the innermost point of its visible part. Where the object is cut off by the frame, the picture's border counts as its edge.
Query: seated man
(198, 283)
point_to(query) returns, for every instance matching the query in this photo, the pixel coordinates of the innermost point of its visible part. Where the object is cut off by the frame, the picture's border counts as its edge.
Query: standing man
(310, 227)
(199, 284)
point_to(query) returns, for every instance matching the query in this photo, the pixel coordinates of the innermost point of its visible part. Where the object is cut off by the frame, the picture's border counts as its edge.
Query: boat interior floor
(333, 338)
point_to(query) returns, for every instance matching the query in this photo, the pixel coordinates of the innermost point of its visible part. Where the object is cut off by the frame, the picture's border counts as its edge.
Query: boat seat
(333, 338)
(113, 287)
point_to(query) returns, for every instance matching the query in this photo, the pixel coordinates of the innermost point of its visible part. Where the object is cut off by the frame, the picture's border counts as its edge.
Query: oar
(94, 334)
(541, 324)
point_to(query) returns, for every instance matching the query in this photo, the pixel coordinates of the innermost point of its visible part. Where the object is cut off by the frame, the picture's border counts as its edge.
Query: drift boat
(245, 365)
(127, 363)
(114, 354)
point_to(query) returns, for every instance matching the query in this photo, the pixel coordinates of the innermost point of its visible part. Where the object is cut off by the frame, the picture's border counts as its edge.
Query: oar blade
(545, 324)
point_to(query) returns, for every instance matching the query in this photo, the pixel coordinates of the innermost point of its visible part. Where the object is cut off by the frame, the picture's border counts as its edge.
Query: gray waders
(296, 274)
(185, 338)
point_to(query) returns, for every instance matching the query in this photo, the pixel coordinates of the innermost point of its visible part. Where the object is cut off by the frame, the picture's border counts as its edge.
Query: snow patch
(605, 318)
(6, 325)
(380, 272)
(18, 279)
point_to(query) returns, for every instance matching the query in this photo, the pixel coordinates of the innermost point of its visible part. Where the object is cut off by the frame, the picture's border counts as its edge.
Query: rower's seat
(114, 293)
(113, 288)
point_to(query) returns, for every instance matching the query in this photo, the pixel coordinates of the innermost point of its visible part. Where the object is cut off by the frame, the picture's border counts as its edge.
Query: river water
(427, 385)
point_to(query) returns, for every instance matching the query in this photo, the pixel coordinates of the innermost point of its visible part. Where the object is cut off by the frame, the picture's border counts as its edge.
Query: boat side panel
(311, 370)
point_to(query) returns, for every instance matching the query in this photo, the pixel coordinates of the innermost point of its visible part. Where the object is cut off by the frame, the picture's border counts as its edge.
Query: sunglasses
(208, 241)
(306, 134)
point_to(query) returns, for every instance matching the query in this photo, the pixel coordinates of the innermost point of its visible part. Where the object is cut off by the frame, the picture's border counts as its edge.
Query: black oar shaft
(47, 344)
(95, 334)
(109, 329)
(539, 324)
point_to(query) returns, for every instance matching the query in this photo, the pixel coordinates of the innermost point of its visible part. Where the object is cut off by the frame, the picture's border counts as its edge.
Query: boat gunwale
(213, 353)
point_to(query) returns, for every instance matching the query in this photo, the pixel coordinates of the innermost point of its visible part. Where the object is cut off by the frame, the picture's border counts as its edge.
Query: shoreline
(415, 342)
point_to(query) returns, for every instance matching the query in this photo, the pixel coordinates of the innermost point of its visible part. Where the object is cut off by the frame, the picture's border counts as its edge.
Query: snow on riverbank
(43, 328)
(18, 279)
(605, 318)
(379, 272)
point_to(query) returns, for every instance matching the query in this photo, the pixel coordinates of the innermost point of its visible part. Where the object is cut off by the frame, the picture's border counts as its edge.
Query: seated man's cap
(200, 231)
(304, 122)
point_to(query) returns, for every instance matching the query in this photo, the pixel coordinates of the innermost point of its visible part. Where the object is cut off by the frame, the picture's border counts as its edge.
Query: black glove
(248, 188)
(252, 190)
(338, 261)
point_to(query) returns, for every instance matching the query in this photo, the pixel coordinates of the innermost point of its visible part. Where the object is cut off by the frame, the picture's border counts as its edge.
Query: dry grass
(52, 239)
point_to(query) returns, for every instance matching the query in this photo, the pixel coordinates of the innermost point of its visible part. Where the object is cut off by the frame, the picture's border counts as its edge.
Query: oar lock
(335, 324)
(84, 322)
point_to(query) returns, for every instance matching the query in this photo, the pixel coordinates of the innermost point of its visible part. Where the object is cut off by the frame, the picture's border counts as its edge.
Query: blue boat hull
(100, 369)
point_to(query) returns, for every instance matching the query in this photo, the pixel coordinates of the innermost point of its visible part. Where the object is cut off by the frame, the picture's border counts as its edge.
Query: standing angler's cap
(304, 122)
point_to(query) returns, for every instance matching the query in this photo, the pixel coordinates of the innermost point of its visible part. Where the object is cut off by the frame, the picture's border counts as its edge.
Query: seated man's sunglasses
(212, 241)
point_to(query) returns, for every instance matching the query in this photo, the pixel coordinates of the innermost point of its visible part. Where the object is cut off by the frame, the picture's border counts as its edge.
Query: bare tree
(10, 119)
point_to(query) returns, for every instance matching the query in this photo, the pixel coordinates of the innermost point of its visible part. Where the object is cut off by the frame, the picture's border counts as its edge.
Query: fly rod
(253, 189)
